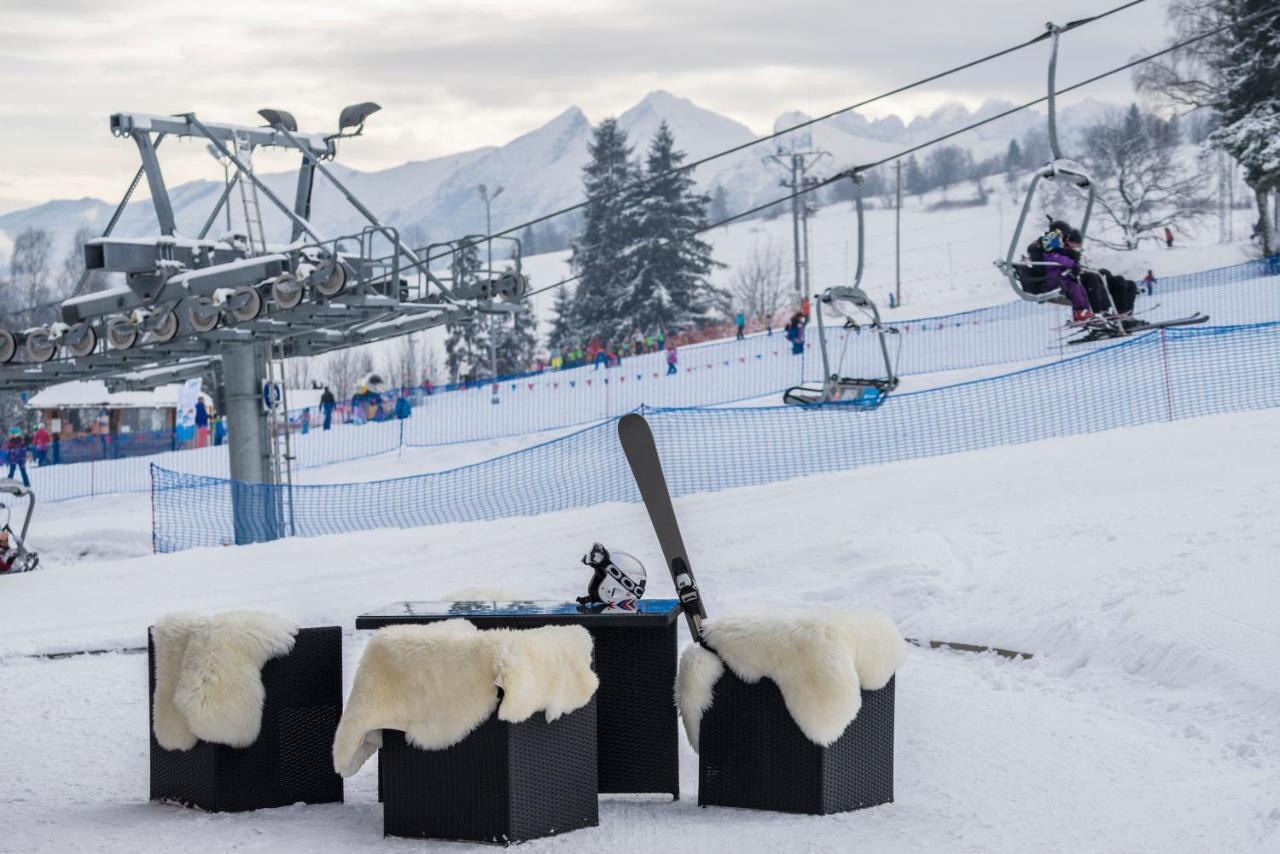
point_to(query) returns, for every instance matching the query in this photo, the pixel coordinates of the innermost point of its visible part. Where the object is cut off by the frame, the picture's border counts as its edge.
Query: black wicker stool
(752, 754)
(502, 783)
(292, 759)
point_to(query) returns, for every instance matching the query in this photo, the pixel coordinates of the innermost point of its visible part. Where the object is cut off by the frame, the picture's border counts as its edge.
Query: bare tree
(29, 275)
(297, 372)
(407, 368)
(343, 373)
(73, 262)
(1142, 185)
(758, 286)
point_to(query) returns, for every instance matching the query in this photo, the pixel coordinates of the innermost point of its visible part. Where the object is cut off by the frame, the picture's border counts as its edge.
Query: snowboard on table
(1103, 333)
(646, 468)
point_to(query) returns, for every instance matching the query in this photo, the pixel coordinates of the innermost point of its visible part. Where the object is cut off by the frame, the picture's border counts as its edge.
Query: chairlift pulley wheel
(203, 315)
(286, 291)
(166, 329)
(8, 346)
(41, 346)
(121, 334)
(246, 304)
(333, 285)
(82, 339)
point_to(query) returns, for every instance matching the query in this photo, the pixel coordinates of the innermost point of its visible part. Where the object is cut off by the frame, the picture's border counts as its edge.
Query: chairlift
(861, 392)
(23, 560)
(1028, 277)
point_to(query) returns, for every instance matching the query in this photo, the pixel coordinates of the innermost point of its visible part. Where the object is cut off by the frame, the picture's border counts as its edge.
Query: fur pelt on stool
(440, 681)
(209, 675)
(820, 660)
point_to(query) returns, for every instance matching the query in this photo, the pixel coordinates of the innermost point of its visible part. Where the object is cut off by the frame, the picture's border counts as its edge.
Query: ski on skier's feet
(1134, 327)
(646, 468)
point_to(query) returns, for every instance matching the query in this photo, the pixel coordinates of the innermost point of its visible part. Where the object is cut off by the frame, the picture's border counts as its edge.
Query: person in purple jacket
(1062, 272)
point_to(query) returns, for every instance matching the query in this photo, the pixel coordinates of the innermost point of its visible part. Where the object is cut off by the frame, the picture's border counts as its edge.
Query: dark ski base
(646, 468)
(1107, 333)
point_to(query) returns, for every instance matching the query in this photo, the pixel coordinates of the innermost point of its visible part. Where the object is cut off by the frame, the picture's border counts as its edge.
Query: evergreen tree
(669, 264)
(514, 339)
(1013, 157)
(915, 179)
(529, 244)
(466, 343)
(562, 332)
(1250, 110)
(601, 253)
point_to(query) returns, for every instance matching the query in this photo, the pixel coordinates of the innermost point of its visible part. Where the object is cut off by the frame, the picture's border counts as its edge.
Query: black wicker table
(635, 658)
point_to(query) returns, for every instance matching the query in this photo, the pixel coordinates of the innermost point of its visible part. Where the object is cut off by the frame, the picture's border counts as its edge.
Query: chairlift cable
(941, 138)
(694, 164)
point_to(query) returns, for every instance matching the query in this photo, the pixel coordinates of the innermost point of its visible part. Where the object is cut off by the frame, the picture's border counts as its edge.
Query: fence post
(1168, 382)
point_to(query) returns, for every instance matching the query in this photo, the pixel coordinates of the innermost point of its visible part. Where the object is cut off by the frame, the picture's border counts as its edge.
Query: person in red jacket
(40, 442)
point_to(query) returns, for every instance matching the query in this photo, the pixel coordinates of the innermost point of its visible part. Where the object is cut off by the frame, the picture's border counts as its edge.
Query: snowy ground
(1136, 564)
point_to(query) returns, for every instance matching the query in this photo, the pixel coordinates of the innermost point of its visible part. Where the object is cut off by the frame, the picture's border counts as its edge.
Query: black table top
(647, 612)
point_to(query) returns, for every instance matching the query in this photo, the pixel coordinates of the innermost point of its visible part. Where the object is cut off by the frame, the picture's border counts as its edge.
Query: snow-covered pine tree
(562, 333)
(601, 253)
(668, 287)
(1250, 111)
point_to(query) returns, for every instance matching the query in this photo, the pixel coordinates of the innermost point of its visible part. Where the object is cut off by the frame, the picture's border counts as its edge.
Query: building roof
(93, 394)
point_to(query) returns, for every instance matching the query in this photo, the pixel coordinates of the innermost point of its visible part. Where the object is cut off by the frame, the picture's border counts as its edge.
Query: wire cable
(943, 137)
(694, 164)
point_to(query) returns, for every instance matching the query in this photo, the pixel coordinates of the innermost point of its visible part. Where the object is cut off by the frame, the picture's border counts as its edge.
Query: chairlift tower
(180, 303)
(797, 164)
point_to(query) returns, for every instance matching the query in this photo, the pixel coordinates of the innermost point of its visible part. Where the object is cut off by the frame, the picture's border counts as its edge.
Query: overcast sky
(457, 75)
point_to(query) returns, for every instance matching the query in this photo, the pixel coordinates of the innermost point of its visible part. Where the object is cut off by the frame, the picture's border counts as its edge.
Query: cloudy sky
(457, 75)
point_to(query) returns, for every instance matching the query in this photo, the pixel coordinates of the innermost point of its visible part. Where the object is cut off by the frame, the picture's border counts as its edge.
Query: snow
(93, 393)
(1146, 721)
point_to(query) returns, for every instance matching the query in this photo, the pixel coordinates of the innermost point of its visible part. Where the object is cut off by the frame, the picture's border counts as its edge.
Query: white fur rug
(438, 682)
(821, 661)
(209, 675)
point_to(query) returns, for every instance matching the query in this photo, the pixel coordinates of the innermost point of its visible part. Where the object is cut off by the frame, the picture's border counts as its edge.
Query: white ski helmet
(619, 577)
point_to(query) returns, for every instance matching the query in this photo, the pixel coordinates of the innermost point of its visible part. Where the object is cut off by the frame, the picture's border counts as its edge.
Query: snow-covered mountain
(540, 171)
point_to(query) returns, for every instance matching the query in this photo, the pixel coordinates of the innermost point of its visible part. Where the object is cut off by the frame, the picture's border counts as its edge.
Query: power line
(694, 164)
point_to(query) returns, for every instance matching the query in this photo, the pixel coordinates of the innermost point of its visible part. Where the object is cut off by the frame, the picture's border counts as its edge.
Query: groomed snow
(1137, 565)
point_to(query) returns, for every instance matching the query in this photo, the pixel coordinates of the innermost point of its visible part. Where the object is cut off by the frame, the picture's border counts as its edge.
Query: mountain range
(540, 171)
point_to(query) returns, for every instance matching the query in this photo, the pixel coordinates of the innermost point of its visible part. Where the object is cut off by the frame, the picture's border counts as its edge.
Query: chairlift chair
(861, 392)
(1027, 277)
(24, 560)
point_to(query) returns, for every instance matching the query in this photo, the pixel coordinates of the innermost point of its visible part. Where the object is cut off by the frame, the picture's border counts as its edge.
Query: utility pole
(897, 234)
(488, 198)
(798, 164)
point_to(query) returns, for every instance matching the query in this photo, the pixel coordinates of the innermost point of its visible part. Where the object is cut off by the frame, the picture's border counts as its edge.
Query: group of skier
(1055, 264)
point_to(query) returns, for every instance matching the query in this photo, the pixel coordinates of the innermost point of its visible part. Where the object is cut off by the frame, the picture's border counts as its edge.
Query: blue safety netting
(1158, 376)
(717, 373)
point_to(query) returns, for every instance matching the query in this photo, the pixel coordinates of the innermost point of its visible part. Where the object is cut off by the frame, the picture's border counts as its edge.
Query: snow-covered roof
(85, 394)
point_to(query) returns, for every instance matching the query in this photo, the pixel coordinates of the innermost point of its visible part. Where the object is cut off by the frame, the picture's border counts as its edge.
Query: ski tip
(632, 421)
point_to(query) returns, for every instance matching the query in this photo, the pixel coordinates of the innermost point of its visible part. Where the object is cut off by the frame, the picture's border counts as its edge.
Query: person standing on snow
(15, 450)
(672, 357)
(40, 442)
(1149, 283)
(741, 320)
(327, 404)
(795, 333)
(1168, 237)
(202, 424)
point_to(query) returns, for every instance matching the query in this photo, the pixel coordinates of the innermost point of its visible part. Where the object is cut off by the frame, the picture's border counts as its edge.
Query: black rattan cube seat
(752, 754)
(503, 783)
(292, 759)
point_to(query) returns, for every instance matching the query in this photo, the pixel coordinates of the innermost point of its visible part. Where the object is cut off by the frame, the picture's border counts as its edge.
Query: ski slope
(1135, 564)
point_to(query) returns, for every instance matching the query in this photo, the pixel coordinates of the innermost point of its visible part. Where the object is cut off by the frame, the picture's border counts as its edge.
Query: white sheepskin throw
(209, 675)
(438, 682)
(820, 660)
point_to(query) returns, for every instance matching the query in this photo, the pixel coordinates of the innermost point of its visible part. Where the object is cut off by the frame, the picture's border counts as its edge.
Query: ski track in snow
(1136, 564)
